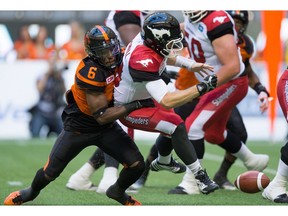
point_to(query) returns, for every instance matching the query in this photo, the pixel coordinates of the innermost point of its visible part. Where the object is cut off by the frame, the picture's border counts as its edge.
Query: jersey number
(197, 51)
(92, 72)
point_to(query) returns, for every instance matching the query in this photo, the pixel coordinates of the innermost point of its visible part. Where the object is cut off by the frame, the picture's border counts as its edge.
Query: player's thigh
(118, 144)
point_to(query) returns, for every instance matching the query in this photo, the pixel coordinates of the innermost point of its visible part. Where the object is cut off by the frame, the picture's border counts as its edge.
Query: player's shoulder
(144, 58)
(89, 70)
(215, 19)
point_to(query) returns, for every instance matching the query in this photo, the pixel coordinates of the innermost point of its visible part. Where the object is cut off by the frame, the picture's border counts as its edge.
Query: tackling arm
(103, 114)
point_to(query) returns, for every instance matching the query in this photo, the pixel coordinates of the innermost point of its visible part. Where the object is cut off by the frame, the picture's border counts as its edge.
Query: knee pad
(40, 180)
(139, 167)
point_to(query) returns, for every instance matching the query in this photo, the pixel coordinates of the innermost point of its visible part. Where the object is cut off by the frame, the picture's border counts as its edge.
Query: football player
(90, 119)
(276, 190)
(126, 25)
(211, 37)
(144, 61)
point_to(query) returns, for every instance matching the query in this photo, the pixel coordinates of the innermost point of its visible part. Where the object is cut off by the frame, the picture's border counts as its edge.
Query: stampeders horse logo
(219, 19)
(158, 33)
(145, 62)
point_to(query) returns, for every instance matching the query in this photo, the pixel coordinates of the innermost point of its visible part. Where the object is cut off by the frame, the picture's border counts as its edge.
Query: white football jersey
(140, 66)
(199, 37)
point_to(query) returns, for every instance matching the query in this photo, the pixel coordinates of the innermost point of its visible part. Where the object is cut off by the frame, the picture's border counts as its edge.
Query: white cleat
(259, 162)
(77, 182)
(275, 194)
(105, 184)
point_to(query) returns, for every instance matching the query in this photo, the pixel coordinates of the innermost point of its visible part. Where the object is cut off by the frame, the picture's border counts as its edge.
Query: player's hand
(263, 100)
(208, 84)
(201, 68)
(145, 103)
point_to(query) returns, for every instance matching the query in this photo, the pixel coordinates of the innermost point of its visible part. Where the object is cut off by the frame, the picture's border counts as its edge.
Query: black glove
(145, 103)
(208, 84)
(139, 104)
(173, 74)
(165, 77)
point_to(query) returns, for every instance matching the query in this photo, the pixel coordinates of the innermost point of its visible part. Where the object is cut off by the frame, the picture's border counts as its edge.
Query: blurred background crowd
(35, 34)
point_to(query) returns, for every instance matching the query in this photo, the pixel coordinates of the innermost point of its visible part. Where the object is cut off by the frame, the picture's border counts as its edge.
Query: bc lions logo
(145, 62)
(158, 33)
(220, 19)
(109, 79)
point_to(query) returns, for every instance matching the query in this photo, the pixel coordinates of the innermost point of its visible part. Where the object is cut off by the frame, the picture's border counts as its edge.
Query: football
(251, 181)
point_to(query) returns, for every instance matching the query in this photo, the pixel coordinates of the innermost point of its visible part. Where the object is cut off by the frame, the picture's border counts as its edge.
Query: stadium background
(17, 84)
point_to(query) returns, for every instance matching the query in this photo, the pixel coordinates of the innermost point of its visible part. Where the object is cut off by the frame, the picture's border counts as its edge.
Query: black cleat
(173, 166)
(205, 184)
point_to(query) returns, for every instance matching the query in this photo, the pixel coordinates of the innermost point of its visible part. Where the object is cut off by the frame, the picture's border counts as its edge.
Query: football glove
(208, 84)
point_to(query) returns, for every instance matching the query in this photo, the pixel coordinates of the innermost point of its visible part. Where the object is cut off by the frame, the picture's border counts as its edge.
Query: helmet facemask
(108, 54)
(195, 16)
(173, 47)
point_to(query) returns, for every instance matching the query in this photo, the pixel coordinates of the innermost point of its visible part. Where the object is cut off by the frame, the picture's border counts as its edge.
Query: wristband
(184, 62)
(258, 87)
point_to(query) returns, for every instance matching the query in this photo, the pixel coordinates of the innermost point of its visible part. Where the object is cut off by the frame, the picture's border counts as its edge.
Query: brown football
(252, 181)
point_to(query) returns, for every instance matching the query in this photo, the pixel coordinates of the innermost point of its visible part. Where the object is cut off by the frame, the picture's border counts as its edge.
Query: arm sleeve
(157, 89)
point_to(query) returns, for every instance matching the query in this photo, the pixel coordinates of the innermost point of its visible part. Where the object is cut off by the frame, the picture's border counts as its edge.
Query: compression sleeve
(157, 89)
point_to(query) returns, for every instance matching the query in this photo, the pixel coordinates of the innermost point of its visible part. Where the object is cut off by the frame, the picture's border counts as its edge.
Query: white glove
(263, 101)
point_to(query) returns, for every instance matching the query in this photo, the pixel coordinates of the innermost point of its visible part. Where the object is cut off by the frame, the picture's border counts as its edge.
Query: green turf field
(21, 159)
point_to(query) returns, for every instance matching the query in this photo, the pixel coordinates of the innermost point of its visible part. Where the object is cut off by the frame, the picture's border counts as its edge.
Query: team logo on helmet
(159, 33)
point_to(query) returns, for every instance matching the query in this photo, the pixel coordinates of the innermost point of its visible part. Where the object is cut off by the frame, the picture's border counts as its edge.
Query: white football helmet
(195, 16)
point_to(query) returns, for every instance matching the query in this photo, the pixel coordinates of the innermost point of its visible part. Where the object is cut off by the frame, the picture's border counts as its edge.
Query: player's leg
(120, 146)
(236, 125)
(276, 190)
(110, 174)
(81, 179)
(153, 154)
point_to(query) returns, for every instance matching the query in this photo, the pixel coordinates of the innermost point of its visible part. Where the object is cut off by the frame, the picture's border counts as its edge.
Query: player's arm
(128, 25)
(103, 114)
(128, 32)
(191, 65)
(227, 52)
(254, 82)
(159, 91)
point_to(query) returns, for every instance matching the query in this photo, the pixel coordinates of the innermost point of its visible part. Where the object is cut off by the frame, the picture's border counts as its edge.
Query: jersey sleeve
(89, 77)
(218, 24)
(126, 17)
(144, 65)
